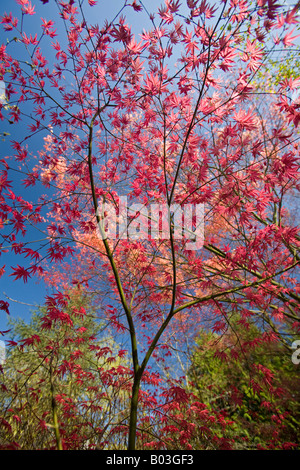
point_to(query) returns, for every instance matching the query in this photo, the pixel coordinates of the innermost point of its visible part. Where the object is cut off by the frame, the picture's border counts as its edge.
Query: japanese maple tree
(49, 398)
(170, 117)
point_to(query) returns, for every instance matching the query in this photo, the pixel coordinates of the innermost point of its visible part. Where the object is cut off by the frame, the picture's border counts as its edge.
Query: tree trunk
(133, 411)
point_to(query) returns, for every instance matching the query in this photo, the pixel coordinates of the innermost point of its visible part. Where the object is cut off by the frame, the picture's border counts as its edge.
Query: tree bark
(133, 411)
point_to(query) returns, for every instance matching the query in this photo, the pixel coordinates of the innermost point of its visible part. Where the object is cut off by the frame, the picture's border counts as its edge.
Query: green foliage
(275, 71)
(254, 385)
(63, 386)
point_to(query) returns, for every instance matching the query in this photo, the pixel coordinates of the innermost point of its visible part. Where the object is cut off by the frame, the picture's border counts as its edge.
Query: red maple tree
(174, 120)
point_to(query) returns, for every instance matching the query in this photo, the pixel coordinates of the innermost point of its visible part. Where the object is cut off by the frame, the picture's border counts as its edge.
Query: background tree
(65, 384)
(259, 393)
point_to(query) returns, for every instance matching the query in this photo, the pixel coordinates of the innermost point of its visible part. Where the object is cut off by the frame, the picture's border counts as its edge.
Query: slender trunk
(133, 411)
(56, 425)
(54, 410)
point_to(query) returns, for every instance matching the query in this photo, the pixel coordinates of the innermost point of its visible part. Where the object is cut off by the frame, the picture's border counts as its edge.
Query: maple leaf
(47, 25)
(31, 340)
(219, 326)
(177, 394)
(18, 221)
(227, 54)
(82, 329)
(122, 353)
(136, 7)
(4, 306)
(134, 47)
(9, 22)
(27, 7)
(153, 84)
(291, 16)
(123, 33)
(245, 119)
(35, 255)
(2, 270)
(288, 40)
(20, 273)
(12, 343)
(30, 40)
(42, 423)
(174, 6)
(253, 54)
(280, 21)
(166, 15)
(292, 83)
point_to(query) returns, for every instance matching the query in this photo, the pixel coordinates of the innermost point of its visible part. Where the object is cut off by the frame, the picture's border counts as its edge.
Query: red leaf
(4, 306)
(20, 273)
(32, 339)
(288, 40)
